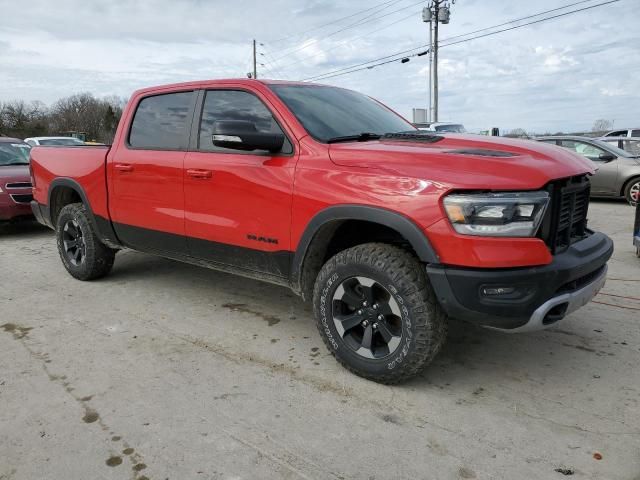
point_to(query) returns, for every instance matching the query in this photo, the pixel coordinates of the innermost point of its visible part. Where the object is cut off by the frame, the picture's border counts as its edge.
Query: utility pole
(437, 12)
(434, 70)
(430, 111)
(255, 64)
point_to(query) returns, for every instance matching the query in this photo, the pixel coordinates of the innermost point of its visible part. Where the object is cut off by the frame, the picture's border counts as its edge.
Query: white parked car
(68, 141)
(627, 132)
(442, 127)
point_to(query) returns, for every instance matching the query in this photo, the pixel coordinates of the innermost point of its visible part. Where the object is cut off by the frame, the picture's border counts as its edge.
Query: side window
(161, 122)
(235, 105)
(635, 133)
(617, 133)
(631, 146)
(585, 149)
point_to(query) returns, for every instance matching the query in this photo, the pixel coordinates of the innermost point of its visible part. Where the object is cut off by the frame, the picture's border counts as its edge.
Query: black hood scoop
(482, 152)
(413, 137)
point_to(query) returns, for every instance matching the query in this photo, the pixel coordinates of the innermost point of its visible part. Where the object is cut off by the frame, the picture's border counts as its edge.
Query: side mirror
(243, 135)
(606, 157)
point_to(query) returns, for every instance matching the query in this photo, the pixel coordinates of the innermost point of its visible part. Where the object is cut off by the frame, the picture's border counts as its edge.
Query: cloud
(556, 75)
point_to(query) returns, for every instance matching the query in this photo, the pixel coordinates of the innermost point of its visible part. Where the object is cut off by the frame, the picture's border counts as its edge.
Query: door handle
(123, 167)
(197, 173)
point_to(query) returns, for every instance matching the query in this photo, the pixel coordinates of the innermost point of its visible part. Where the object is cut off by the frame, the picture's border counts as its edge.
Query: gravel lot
(169, 371)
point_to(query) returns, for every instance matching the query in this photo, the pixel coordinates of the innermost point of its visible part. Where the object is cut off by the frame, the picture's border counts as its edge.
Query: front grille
(566, 219)
(26, 198)
(18, 185)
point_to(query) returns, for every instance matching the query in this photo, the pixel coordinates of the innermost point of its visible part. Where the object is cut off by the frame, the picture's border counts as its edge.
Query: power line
(316, 77)
(528, 23)
(347, 70)
(362, 21)
(351, 39)
(518, 20)
(272, 62)
(305, 43)
(329, 23)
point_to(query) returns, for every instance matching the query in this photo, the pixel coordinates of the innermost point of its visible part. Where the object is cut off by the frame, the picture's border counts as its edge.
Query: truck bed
(53, 166)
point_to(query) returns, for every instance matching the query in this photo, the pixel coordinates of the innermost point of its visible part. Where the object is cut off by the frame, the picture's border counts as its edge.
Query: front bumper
(10, 210)
(525, 299)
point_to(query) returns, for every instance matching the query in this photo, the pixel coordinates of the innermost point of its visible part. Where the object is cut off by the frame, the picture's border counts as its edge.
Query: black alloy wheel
(367, 317)
(74, 244)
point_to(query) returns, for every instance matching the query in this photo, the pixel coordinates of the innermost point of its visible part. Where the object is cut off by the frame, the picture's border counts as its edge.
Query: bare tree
(601, 125)
(518, 133)
(80, 113)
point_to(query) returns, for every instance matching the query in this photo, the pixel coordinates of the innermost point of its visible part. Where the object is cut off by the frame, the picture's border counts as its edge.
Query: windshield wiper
(14, 163)
(362, 137)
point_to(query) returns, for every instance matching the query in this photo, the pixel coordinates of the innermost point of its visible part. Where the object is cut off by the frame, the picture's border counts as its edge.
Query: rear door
(238, 203)
(605, 179)
(147, 187)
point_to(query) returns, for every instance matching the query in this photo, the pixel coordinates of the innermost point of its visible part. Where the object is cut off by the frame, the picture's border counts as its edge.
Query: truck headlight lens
(509, 214)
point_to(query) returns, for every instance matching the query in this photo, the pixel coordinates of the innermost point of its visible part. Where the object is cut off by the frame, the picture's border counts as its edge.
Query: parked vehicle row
(388, 230)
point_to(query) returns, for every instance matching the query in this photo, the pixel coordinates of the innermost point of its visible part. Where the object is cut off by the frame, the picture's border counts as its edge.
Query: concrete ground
(169, 371)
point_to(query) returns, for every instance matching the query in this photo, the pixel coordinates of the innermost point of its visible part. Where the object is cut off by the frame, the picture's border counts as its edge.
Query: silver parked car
(618, 172)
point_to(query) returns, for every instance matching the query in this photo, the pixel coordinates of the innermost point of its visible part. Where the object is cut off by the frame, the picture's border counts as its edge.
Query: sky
(557, 75)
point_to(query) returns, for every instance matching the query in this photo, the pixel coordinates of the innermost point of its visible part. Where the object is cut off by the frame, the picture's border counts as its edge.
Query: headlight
(514, 214)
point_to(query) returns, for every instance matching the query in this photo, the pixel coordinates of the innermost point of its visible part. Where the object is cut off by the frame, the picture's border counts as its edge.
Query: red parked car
(387, 229)
(15, 181)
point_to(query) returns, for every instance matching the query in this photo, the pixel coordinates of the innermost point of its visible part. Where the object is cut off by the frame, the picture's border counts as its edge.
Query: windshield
(451, 128)
(14, 153)
(61, 141)
(329, 112)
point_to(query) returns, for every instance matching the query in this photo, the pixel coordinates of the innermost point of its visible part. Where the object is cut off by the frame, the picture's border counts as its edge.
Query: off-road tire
(424, 323)
(98, 259)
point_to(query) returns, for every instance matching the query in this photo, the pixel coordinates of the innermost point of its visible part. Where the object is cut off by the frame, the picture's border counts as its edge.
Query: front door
(147, 186)
(238, 204)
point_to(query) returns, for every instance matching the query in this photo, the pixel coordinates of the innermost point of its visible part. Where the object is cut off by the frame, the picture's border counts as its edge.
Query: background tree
(601, 125)
(97, 118)
(517, 133)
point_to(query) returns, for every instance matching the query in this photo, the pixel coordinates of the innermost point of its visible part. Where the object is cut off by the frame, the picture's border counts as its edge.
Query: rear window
(161, 122)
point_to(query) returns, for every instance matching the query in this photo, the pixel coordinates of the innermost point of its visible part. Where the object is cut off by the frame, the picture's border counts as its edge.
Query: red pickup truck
(388, 230)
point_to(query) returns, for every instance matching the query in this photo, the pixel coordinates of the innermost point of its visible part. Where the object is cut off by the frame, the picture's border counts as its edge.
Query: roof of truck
(222, 81)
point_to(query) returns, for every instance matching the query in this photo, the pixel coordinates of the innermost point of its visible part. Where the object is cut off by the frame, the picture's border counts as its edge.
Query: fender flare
(102, 226)
(389, 218)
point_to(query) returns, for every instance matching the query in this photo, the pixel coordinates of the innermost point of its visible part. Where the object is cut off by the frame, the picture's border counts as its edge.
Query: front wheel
(82, 253)
(377, 312)
(632, 191)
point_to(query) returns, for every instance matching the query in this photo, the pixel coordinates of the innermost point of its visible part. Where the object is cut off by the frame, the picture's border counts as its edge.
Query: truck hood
(466, 161)
(14, 173)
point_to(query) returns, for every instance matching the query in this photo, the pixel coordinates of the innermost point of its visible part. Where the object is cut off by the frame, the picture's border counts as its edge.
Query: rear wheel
(82, 253)
(632, 191)
(377, 312)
